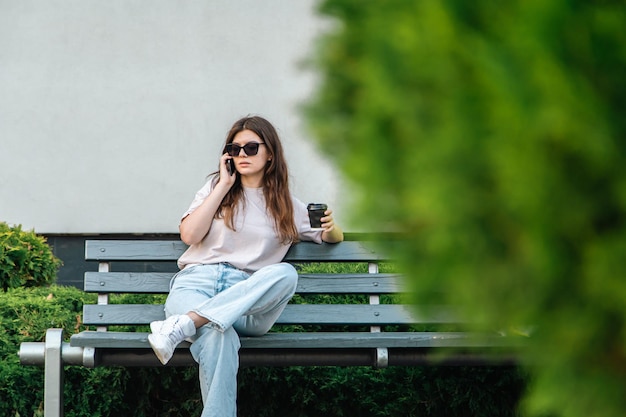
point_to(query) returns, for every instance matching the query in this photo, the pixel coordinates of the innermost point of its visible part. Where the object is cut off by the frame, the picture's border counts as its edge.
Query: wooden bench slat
(158, 283)
(122, 314)
(159, 250)
(345, 252)
(127, 340)
(349, 314)
(366, 314)
(133, 250)
(128, 282)
(349, 284)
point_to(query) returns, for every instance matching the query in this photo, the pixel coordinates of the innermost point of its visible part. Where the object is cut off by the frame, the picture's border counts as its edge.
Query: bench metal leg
(53, 374)
(382, 358)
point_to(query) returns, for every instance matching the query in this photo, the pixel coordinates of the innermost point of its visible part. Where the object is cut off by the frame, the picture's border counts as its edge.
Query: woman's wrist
(334, 235)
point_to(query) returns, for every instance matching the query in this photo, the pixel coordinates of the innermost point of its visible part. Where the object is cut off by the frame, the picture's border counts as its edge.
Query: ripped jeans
(235, 303)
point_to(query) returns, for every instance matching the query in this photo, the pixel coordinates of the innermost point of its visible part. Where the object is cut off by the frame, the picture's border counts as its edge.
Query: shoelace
(170, 328)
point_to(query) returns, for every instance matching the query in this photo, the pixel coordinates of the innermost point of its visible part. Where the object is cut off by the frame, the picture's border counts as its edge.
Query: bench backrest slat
(158, 283)
(133, 250)
(159, 250)
(349, 314)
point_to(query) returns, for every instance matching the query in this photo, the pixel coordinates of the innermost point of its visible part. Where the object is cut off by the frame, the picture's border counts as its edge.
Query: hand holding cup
(320, 217)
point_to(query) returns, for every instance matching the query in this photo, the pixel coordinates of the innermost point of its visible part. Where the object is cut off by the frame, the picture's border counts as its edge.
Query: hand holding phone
(230, 165)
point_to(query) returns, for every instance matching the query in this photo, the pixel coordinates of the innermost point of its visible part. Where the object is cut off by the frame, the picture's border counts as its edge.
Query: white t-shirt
(254, 243)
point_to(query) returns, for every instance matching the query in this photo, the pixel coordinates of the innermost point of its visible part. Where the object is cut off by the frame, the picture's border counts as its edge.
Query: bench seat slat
(162, 250)
(158, 283)
(349, 314)
(127, 340)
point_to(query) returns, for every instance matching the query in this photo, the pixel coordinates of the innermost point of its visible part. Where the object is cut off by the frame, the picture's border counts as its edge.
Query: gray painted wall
(113, 112)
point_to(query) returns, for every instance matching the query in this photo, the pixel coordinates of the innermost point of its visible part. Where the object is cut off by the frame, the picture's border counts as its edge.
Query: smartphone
(230, 165)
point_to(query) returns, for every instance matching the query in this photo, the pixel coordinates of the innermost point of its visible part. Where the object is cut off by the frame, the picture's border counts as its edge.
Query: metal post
(382, 353)
(53, 374)
(103, 298)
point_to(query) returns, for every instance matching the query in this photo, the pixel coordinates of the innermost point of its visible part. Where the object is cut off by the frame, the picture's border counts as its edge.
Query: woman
(232, 282)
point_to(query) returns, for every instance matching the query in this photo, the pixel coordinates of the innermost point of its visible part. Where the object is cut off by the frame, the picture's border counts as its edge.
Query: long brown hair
(275, 181)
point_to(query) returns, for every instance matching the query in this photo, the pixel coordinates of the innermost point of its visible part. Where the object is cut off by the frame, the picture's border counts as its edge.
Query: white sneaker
(167, 334)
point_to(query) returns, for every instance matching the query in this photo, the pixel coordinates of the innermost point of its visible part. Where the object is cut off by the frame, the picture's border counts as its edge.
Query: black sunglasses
(250, 148)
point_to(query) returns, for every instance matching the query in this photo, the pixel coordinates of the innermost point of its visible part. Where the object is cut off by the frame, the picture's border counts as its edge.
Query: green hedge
(392, 392)
(26, 313)
(25, 258)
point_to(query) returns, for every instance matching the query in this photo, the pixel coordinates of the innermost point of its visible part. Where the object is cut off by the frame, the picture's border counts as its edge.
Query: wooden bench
(346, 334)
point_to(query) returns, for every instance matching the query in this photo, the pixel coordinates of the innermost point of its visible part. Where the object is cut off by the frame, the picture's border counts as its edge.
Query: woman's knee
(288, 271)
(283, 273)
(288, 276)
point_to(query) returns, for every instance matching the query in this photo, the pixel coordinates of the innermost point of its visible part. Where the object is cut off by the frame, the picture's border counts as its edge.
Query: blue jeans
(235, 303)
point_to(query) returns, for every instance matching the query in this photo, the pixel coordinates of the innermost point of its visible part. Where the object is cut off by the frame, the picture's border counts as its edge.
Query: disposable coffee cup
(316, 212)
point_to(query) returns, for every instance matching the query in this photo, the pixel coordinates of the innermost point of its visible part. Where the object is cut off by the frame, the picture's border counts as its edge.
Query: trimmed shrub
(26, 260)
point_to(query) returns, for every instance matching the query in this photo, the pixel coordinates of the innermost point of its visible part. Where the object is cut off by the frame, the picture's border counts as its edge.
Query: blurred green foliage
(492, 135)
(25, 259)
